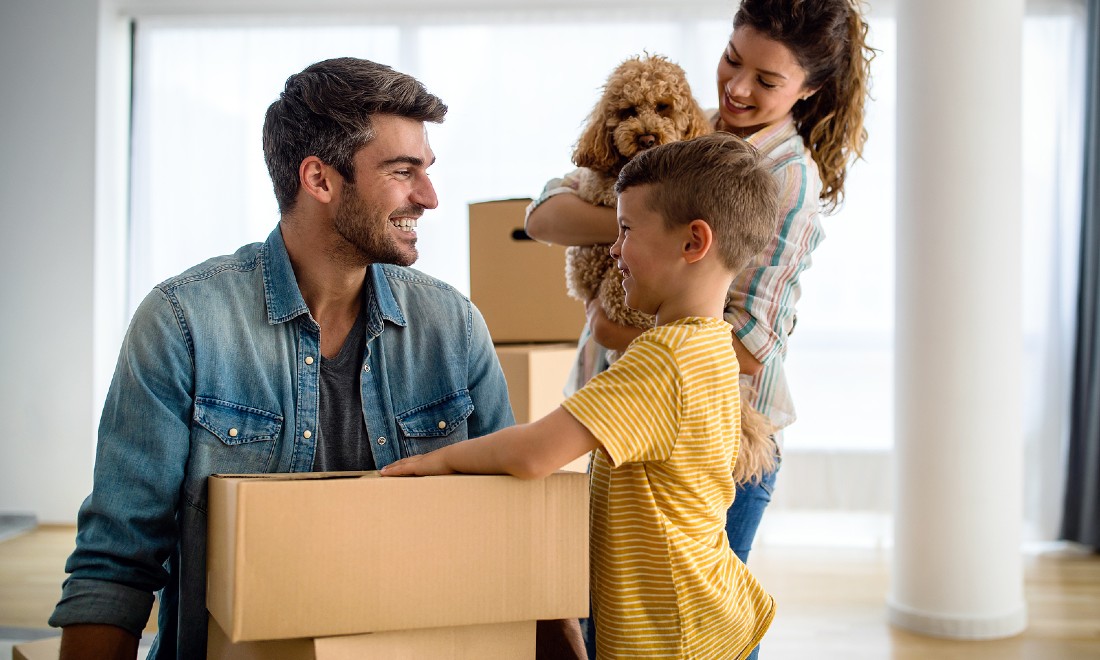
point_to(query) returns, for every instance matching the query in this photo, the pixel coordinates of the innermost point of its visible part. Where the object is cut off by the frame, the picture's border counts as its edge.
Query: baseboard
(999, 626)
(14, 524)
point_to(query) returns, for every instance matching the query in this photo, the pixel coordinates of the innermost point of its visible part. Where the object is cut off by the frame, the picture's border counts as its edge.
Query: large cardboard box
(536, 375)
(324, 554)
(497, 641)
(43, 649)
(517, 283)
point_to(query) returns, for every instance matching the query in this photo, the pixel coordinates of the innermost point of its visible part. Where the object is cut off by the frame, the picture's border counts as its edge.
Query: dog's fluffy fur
(646, 102)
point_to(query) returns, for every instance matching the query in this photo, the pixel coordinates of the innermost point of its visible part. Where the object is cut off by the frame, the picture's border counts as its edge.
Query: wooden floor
(831, 603)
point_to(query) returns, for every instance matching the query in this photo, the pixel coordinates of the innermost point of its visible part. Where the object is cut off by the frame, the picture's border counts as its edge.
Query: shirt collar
(768, 138)
(284, 298)
(383, 298)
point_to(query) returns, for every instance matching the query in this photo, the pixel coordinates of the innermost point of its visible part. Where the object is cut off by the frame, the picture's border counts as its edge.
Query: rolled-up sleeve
(761, 304)
(569, 183)
(128, 526)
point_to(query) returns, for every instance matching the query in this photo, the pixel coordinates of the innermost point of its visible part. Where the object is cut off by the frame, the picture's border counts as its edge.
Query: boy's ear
(317, 179)
(699, 239)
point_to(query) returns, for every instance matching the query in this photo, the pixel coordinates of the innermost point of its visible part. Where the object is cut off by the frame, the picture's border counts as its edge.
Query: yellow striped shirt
(665, 583)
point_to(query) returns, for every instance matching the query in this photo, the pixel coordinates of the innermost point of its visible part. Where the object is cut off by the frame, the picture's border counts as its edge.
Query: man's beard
(366, 230)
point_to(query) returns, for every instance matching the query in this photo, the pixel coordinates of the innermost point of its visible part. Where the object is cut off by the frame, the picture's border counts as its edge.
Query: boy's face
(646, 251)
(378, 212)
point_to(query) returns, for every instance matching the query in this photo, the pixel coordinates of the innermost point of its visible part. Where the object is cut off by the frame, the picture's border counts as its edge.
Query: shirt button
(381, 441)
(307, 435)
(232, 433)
(366, 367)
(309, 359)
(442, 425)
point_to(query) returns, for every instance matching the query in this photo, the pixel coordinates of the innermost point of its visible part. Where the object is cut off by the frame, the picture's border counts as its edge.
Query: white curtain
(1053, 135)
(519, 87)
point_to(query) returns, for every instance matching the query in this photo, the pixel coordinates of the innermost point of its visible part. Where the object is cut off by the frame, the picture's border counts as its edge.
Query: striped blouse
(761, 305)
(665, 583)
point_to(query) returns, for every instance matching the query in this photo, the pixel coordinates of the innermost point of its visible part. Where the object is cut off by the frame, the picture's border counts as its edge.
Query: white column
(957, 569)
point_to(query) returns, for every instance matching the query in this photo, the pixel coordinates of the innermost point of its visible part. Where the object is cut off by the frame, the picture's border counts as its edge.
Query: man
(316, 350)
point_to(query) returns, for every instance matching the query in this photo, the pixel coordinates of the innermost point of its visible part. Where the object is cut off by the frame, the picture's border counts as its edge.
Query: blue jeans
(743, 518)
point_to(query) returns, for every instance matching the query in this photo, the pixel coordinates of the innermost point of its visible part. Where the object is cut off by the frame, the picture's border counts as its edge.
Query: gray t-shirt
(344, 443)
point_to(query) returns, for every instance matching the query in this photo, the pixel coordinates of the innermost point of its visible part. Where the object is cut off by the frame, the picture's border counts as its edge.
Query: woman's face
(759, 81)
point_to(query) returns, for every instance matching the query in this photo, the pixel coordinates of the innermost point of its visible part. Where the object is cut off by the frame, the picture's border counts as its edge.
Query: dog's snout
(647, 141)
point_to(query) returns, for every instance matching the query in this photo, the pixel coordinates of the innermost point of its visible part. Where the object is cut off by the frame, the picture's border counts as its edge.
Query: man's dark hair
(325, 111)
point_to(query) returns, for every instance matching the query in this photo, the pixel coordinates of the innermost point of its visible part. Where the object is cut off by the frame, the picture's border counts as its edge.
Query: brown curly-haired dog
(646, 102)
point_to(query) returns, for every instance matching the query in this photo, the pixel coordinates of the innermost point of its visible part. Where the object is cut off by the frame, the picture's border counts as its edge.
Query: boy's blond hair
(718, 178)
(723, 180)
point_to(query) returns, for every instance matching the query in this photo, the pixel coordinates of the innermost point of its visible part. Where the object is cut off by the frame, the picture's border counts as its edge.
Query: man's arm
(486, 383)
(528, 451)
(127, 526)
(97, 642)
(559, 640)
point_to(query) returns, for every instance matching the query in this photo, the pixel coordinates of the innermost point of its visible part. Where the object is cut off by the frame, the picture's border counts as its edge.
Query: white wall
(48, 187)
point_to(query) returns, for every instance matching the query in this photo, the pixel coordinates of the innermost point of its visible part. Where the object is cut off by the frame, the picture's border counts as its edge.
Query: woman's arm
(761, 306)
(565, 219)
(606, 332)
(750, 366)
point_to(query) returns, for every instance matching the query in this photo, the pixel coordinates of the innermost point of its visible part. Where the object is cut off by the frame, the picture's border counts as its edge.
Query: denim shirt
(219, 373)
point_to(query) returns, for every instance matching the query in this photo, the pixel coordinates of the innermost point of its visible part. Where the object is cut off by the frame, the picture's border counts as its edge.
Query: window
(519, 90)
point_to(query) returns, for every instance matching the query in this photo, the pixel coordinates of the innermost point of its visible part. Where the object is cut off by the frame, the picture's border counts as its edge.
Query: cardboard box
(43, 649)
(518, 283)
(324, 554)
(498, 641)
(536, 375)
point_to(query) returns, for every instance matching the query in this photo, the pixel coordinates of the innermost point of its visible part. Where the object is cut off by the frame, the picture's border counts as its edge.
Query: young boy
(665, 417)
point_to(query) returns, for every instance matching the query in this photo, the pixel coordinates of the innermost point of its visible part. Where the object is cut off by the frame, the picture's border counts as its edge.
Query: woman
(792, 80)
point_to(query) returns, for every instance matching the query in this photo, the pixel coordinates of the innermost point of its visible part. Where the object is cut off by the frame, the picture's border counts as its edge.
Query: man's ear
(699, 240)
(317, 179)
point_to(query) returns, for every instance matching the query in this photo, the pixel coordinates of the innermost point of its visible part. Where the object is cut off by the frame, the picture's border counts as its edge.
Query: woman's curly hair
(829, 40)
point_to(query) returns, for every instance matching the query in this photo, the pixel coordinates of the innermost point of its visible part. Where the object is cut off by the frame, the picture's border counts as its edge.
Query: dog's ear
(698, 123)
(595, 148)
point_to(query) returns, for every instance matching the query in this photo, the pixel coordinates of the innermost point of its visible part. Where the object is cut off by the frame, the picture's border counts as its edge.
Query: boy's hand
(422, 465)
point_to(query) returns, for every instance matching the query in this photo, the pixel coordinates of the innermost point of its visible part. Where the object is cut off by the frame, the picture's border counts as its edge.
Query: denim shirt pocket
(241, 439)
(437, 424)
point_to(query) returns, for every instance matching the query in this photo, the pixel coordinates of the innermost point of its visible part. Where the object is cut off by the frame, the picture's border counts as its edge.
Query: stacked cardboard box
(536, 375)
(519, 286)
(518, 283)
(334, 565)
